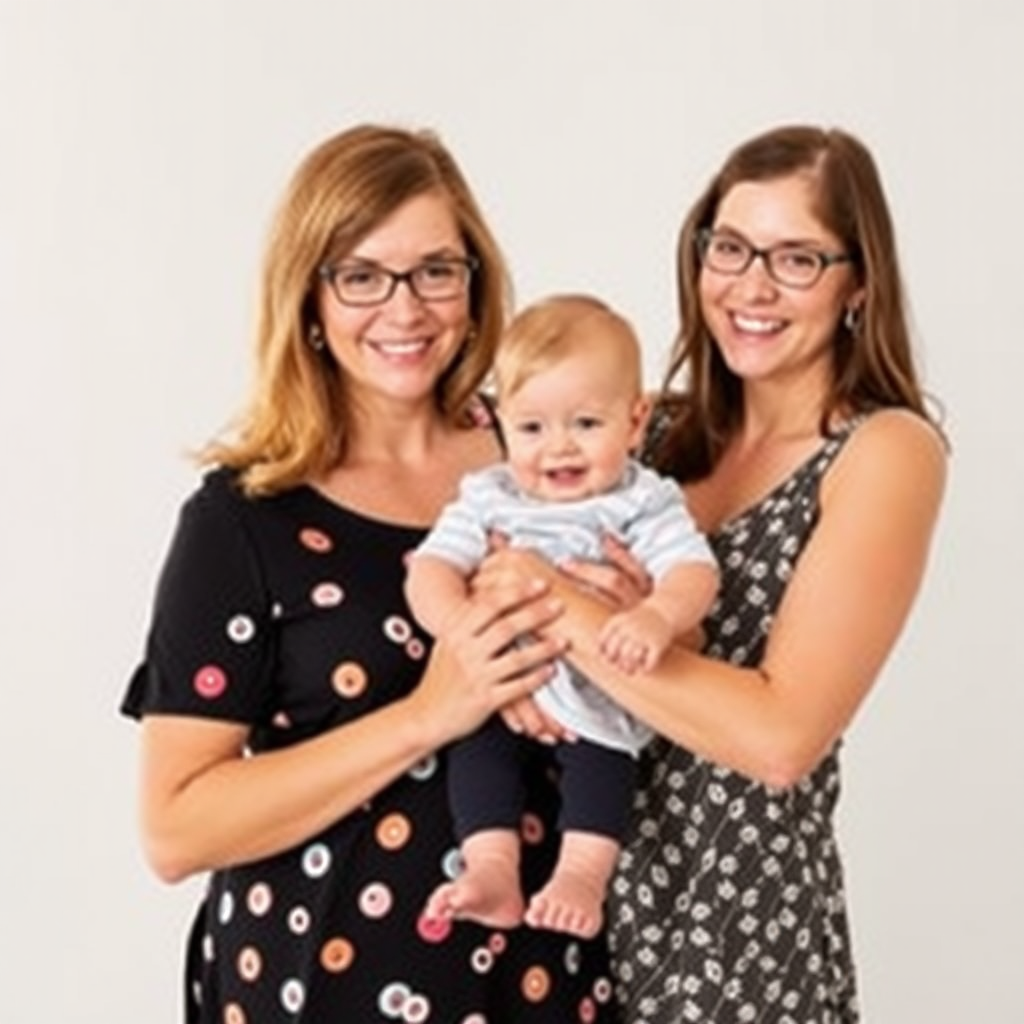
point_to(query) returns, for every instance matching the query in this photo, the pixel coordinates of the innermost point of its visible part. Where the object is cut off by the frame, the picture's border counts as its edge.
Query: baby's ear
(639, 415)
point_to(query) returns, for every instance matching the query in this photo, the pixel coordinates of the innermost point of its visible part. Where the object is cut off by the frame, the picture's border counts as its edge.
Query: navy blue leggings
(486, 782)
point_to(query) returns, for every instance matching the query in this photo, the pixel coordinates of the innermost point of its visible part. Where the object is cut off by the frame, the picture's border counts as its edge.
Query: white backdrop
(143, 146)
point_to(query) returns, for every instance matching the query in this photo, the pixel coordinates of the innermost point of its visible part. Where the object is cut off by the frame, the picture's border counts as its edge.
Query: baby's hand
(634, 640)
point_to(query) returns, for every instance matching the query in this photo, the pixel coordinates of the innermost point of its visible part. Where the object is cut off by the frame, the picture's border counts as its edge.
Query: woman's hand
(476, 668)
(509, 571)
(621, 581)
(524, 716)
(505, 571)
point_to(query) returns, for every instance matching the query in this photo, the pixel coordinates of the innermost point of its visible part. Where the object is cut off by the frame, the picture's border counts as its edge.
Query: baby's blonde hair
(548, 331)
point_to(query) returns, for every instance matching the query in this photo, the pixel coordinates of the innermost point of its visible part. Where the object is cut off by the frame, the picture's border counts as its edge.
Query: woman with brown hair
(794, 420)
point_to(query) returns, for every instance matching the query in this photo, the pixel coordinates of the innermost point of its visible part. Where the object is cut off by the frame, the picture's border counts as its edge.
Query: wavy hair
(296, 422)
(873, 365)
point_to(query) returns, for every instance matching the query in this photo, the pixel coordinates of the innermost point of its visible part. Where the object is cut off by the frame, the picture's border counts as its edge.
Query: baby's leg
(487, 890)
(573, 899)
(486, 792)
(597, 788)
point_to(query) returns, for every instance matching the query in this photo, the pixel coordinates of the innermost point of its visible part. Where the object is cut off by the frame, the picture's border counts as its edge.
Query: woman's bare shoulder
(900, 434)
(891, 446)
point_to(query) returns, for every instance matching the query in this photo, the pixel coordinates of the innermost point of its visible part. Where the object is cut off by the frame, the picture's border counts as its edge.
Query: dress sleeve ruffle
(209, 650)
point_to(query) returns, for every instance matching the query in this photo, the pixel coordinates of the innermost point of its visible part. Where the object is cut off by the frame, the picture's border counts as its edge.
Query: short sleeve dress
(729, 907)
(287, 614)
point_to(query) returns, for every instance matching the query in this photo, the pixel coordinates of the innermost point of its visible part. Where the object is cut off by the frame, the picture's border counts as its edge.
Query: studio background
(143, 147)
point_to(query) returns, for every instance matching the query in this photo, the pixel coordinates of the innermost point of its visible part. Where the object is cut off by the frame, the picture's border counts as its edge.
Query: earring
(853, 318)
(315, 338)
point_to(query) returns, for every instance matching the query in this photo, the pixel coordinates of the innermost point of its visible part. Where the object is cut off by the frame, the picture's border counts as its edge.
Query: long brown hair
(295, 424)
(873, 365)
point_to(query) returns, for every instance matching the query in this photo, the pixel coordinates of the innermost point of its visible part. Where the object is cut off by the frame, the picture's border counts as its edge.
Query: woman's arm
(842, 613)
(436, 591)
(205, 803)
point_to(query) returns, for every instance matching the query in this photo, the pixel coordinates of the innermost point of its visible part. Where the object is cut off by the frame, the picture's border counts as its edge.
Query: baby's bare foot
(570, 903)
(487, 897)
(487, 891)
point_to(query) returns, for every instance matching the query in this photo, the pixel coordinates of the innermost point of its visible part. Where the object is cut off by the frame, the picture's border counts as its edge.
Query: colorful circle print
(392, 998)
(393, 832)
(315, 540)
(327, 595)
(259, 899)
(416, 1009)
(241, 629)
(299, 920)
(424, 769)
(226, 907)
(250, 963)
(337, 955)
(234, 1014)
(451, 863)
(532, 829)
(397, 629)
(316, 860)
(375, 900)
(293, 995)
(210, 682)
(433, 929)
(481, 959)
(536, 984)
(349, 679)
(572, 958)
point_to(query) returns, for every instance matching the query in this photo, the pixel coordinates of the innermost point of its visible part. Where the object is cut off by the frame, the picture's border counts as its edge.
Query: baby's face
(570, 429)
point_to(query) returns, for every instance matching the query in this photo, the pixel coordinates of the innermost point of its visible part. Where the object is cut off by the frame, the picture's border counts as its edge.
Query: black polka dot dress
(728, 907)
(287, 614)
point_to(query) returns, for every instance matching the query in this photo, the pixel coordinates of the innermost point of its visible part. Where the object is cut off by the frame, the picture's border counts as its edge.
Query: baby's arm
(435, 590)
(635, 639)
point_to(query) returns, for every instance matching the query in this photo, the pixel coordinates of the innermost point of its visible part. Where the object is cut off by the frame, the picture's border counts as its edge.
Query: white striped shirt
(646, 512)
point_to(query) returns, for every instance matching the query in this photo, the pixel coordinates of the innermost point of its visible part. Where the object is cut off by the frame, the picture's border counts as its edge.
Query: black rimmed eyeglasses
(367, 284)
(788, 263)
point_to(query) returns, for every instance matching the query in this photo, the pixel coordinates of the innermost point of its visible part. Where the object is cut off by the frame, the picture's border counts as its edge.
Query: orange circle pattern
(337, 955)
(536, 984)
(349, 679)
(393, 832)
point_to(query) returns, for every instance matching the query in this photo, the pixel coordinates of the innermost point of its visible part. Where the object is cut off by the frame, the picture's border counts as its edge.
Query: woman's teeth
(399, 348)
(755, 325)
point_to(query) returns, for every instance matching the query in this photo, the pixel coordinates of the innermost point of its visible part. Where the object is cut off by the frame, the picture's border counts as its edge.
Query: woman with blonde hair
(294, 718)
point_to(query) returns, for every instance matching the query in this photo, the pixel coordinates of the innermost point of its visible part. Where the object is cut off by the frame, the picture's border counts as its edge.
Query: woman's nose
(755, 281)
(404, 303)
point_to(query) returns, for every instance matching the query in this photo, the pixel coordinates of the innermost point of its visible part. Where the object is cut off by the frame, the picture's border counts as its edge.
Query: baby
(571, 410)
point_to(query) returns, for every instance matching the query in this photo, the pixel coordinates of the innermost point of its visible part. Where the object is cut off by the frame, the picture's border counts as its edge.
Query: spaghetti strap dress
(286, 614)
(728, 906)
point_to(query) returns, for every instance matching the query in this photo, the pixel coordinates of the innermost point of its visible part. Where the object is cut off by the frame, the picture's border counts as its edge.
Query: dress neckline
(337, 508)
(841, 433)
